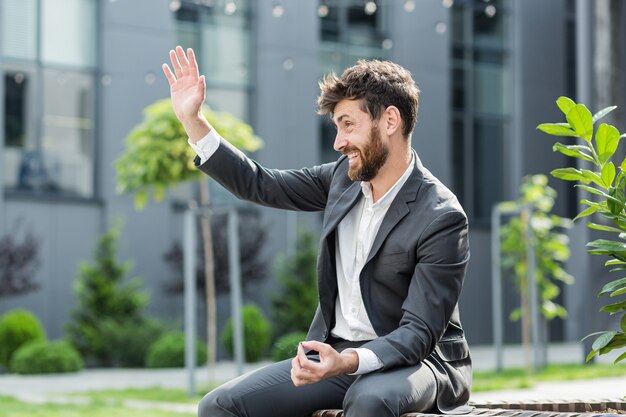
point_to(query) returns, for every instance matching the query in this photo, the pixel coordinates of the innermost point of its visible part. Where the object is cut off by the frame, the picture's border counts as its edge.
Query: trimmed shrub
(45, 358)
(129, 341)
(169, 352)
(286, 346)
(256, 330)
(17, 328)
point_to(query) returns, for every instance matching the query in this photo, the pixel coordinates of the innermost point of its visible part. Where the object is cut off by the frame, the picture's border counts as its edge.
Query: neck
(396, 165)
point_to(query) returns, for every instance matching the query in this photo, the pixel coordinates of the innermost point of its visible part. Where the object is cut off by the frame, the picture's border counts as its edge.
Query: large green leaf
(607, 139)
(599, 115)
(608, 245)
(565, 104)
(570, 174)
(608, 174)
(623, 323)
(603, 340)
(586, 212)
(620, 358)
(603, 227)
(576, 151)
(613, 285)
(556, 129)
(615, 308)
(581, 120)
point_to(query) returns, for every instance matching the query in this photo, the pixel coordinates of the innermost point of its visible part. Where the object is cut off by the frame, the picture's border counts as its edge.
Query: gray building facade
(75, 85)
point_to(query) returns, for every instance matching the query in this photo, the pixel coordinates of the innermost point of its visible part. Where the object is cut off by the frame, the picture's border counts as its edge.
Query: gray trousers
(269, 392)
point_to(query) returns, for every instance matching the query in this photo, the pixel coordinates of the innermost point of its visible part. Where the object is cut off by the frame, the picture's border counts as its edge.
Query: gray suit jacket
(413, 276)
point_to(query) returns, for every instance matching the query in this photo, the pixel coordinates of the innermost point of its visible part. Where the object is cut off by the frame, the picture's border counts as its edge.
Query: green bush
(44, 357)
(129, 341)
(256, 333)
(104, 294)
(169, 352)
(18, 328)
(287, 346)
(294, 306)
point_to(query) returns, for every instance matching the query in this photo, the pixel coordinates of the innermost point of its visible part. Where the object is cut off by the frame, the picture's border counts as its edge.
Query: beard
(372, 157)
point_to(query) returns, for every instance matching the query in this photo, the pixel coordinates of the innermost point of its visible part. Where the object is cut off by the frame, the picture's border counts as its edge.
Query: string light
(441, 27)
(278, 10)
(175, 5)
(323, 10)
(490, 10)
(370, 8)
(288, 64)
(409, 6)
(387, 44)
(447, 3)
(230, 7)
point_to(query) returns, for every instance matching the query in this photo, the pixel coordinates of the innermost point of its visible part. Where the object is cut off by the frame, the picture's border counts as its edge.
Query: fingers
(178, 70)
(168, 74)
(182, 58)
(193, 64)
(320, 347)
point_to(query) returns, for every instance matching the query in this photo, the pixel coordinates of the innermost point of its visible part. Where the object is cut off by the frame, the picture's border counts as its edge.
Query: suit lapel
(399, 207)
(342, 206)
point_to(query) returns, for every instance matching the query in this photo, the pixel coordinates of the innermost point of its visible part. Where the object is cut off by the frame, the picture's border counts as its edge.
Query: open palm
(187, 88)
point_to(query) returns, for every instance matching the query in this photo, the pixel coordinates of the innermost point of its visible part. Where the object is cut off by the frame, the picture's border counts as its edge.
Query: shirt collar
(386, 199)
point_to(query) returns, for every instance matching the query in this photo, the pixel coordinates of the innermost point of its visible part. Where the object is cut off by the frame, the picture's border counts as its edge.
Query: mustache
(349, 149)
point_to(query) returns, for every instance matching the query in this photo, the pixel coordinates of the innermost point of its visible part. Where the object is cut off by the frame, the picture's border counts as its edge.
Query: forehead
(348, 108)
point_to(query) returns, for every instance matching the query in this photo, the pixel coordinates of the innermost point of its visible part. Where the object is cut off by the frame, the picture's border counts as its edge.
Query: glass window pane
(458, 159)
(68, 131)
(489, 29)
(68, 32)
(226, 50)
(491, 91)
(19, 125)
(488, 167)
(19, 29)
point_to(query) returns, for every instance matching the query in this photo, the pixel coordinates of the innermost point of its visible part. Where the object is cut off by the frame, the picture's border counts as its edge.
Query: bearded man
(386, 338)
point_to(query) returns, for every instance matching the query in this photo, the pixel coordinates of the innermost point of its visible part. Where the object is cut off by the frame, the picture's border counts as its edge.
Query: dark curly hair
(378, 84)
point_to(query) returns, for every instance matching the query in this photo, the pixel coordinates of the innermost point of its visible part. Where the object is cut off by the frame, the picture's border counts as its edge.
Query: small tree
(551, 250)
(102, 297)
(294, 306)
(603, 180)
(158, 157)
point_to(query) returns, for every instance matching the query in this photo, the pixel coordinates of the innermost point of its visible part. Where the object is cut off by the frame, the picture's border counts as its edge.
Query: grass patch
(170, 395)
(14, 408)
(518, 378)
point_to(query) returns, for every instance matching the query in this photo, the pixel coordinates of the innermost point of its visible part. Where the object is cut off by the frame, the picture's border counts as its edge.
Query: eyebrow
(341, 117)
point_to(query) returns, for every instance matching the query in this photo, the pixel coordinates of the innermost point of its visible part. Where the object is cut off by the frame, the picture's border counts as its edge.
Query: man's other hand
(332, 363)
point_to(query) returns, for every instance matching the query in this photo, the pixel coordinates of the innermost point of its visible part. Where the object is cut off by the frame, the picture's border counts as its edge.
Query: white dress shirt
(355, 235)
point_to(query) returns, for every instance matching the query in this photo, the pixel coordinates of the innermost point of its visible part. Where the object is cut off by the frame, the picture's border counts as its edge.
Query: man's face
(359, 138)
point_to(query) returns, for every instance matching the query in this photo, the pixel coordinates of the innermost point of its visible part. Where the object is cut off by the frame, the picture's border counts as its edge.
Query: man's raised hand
(187, 90)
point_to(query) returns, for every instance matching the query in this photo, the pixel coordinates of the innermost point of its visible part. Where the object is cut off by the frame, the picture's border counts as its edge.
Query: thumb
(315, 345)
(202, 83)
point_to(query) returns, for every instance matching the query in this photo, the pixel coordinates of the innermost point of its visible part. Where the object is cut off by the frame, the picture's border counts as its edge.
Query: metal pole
(189, 261)
(2, 138)
(235, 287)
(580, 234)
(496, 286)
(532, 289)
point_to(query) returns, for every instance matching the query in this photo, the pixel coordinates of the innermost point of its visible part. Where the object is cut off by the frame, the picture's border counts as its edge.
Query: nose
(340, 142)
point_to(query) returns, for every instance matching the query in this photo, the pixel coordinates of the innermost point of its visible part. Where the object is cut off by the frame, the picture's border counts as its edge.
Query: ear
(392, 121)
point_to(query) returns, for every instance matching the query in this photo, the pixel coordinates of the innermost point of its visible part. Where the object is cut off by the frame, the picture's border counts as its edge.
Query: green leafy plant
(129, 341)
(256, 333)
(103, 294)
(44, 357)
(606, 183)
(169, 352)
(287, 346)
(549, 243)
(293, 307)
(18, 328)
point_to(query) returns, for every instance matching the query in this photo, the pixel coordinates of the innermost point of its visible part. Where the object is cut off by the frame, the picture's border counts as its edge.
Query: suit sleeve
(443, 253)
(304, 189)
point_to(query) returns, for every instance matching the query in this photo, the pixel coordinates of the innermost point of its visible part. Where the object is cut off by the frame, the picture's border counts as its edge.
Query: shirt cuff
(368, 361)
(206, 146)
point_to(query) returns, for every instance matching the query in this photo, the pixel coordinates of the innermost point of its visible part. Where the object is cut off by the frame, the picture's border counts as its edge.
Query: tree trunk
(209, 276)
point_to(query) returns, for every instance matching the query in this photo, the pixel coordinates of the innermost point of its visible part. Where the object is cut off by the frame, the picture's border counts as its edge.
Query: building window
(48, 65)
(480, 97)
(219, 33)
(349, 30)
